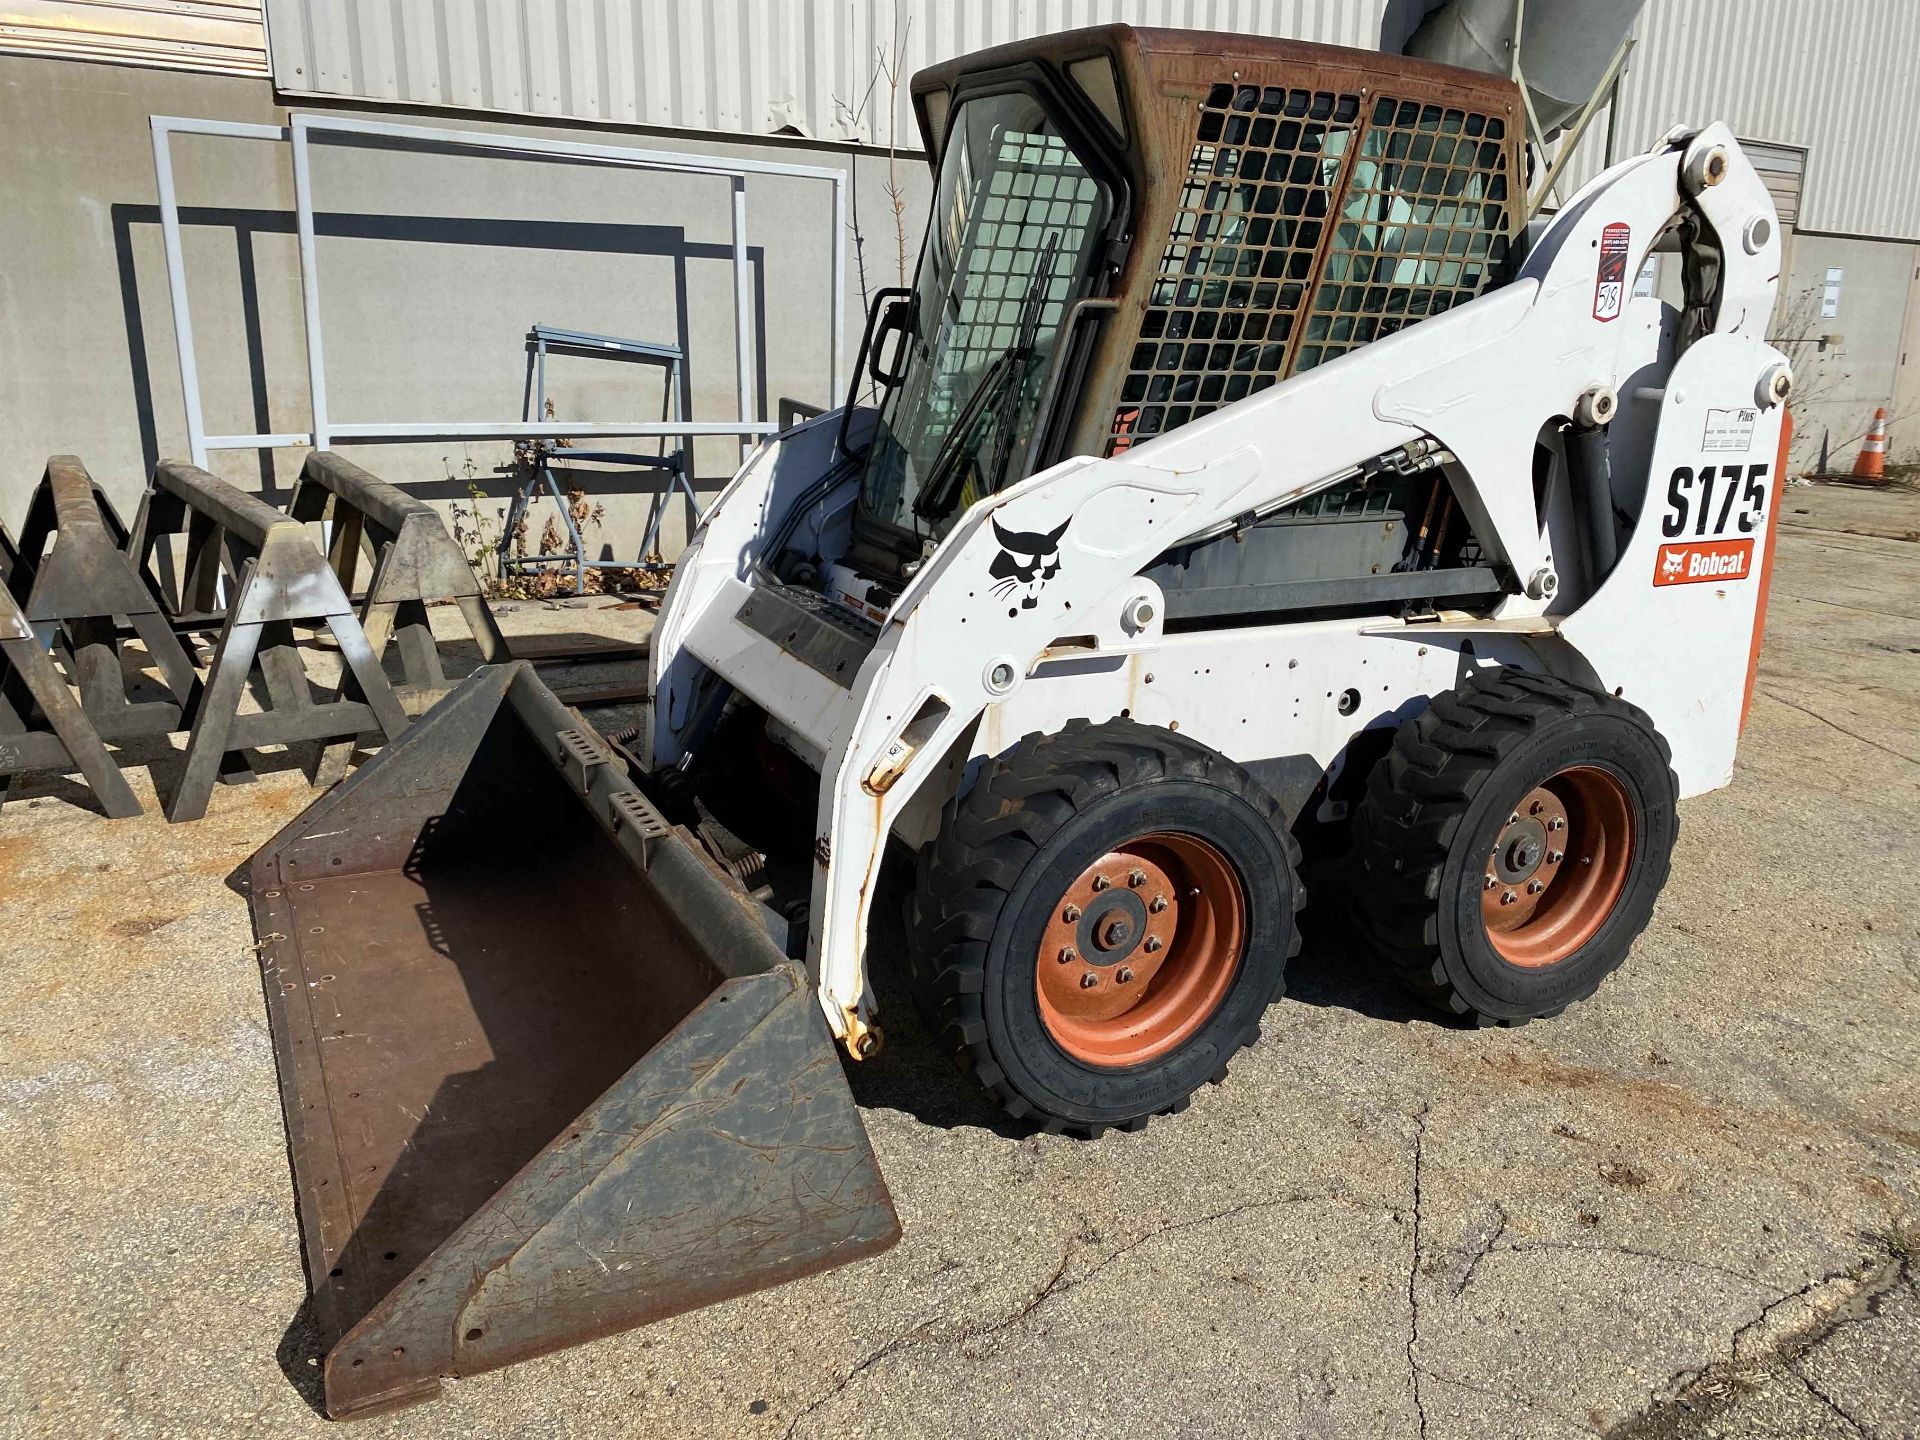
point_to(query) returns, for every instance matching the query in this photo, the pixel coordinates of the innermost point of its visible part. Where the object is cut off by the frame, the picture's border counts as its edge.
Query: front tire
(1101, 921)
(1512, 844)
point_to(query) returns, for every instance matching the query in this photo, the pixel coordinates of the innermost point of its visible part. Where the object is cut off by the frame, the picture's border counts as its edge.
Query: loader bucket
(545, 1075)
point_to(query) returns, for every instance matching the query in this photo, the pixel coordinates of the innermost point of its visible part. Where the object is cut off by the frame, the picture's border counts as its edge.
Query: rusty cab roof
(1163, 57)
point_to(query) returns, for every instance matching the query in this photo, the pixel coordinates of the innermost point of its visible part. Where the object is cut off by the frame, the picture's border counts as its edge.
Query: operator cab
(1132, 228)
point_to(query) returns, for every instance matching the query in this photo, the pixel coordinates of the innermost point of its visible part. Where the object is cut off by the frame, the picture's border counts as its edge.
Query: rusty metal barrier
(73, 580)
(277, 579)
(415, 562)
(33, 690)
(578, 1096)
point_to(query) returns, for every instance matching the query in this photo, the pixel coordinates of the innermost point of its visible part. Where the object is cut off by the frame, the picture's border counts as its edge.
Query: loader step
(814, 630)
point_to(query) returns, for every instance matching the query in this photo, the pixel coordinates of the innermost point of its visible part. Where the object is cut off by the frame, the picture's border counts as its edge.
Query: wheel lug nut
(1554, 857)
(1070, 914)
(1153, 943)
(1491, 882)
(1125, 975)
(1137, 878)
(1534, 887)
(1100, 882)
(1507, 897)
(1089, 980)
(1068, 955)
(1157, 904)
(1556, 823)
(1514, 818)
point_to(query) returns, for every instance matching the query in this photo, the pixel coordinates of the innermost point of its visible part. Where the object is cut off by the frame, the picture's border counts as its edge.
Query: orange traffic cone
(1872, 464)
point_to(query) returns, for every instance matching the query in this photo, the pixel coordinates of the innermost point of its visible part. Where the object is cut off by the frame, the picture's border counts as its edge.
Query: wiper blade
(944, 482)
(1030, 311)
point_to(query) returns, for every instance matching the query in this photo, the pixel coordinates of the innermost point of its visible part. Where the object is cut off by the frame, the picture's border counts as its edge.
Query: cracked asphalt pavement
(1685, 1208)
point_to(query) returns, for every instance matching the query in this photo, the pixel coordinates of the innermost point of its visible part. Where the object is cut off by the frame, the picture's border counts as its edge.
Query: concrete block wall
(1869, 358)
(433, 264)
(1871, 351)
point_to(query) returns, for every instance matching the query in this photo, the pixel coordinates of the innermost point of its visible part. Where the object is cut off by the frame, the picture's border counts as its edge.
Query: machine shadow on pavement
(1334, 970)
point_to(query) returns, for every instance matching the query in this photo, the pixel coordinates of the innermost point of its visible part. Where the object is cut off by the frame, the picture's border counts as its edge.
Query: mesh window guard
(1017, 217)
(1233, 278)
(1236, 304)
(1425, 221)
(1037, 188)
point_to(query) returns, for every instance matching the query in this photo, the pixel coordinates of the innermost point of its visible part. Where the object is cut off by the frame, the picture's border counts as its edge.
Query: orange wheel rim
(1558, 867)
(1140, 950)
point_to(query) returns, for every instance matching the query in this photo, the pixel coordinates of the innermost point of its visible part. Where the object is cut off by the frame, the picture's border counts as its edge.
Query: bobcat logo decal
(1027, 560)
(1672, 563)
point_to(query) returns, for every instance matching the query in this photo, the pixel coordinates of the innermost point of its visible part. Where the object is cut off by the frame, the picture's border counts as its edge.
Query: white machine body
(961, 669)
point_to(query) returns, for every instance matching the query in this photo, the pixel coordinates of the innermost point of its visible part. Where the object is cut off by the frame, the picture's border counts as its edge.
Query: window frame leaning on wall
(304, 130)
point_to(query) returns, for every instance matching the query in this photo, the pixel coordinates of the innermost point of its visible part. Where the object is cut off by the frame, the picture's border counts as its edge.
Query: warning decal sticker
(1730, 430)
(1703, 560)
(1610, 288)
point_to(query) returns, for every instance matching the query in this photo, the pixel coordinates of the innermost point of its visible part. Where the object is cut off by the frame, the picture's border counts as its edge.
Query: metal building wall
(746, 66)
(221, 36)
(1835, 77)
(1827, 76)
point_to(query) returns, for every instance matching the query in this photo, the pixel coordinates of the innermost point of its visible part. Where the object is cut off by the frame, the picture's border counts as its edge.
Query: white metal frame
(327, 429)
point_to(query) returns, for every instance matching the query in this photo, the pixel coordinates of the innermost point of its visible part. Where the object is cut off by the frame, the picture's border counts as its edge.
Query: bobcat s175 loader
(1168, 539)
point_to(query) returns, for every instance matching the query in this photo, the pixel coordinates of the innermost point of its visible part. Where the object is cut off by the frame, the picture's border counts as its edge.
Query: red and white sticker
(1703, 560)
(1610, 288)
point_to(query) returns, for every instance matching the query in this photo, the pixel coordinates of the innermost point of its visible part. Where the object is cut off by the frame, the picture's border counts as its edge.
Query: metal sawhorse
(675, 404)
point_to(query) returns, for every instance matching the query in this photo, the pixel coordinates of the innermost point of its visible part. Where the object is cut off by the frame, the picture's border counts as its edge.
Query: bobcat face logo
(1027, 560)
(1673, 562)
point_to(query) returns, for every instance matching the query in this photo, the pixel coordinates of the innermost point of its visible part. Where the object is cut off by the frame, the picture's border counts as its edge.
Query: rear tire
(1512, 844)
(1101, 921)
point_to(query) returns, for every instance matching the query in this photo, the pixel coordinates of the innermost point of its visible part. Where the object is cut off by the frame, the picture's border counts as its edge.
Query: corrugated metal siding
(225, 36)
(1836, 78)
(745, 66)
(1783, 170)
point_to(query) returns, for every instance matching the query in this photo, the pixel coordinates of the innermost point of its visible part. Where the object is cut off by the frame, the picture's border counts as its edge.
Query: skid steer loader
(1240, 469)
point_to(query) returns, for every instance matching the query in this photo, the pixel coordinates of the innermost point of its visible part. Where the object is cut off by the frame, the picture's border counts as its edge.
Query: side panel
(736, 533)
(1266, 692)
(1672, 626)
(807, 702)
